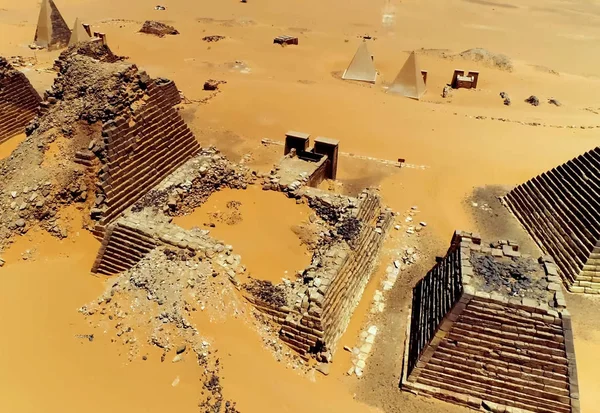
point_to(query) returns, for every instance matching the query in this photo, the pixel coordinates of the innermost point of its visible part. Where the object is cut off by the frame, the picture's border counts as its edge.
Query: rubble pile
(158, 29)
(153, 304)
(192, 184)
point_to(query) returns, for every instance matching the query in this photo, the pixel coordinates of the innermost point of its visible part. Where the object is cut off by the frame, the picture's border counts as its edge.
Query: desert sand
(466, 141)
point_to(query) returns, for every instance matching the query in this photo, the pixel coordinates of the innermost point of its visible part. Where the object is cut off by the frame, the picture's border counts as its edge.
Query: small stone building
(489, 329)
(561, 211)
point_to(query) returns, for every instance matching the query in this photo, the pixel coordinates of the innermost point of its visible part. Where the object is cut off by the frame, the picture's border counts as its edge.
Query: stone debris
(158, 29)
(447, 91)
(212, 84)
(533, 100)
(213, 38)
(554, 102)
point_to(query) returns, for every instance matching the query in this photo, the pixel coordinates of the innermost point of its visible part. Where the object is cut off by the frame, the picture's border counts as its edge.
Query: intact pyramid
(409, 81)
(361, 67)
(561, 211)
(78, 34)
(52, 30)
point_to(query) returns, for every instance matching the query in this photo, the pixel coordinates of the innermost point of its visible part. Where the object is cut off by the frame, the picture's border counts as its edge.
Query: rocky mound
(158, 29)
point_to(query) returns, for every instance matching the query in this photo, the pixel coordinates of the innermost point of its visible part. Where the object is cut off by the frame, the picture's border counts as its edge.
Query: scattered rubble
(554, 102)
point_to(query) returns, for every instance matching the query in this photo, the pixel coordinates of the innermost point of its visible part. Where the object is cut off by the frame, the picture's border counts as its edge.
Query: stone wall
(141, 151)
(433, 297)
(333, 288)
(19, 101)
(561, 211)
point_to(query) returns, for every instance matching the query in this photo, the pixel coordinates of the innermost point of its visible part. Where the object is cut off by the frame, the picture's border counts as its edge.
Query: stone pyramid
(561, 211)
(409, 81)
(477, 338)
(361, 67)
(52, 31)
(78, 34)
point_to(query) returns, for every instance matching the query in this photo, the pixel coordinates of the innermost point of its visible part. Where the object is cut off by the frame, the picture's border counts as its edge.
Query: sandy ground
(269, 90)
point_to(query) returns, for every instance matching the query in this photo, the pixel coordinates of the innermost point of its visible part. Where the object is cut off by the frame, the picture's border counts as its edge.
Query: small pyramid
(78, 34)
(361, 67)
(409, 81)
(52, 30)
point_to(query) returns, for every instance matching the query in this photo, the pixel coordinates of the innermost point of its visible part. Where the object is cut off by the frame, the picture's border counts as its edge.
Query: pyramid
(78, 34)
(409, 81)
(361, 67)
(52, 30)
(477, 338)
(561, 211)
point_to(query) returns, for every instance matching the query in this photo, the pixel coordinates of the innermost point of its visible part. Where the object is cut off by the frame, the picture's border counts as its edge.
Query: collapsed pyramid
(561, 211)
(361, 67)
(409, 81)
(52, 31)
(19, 101)
(78, 34)
(488, 329)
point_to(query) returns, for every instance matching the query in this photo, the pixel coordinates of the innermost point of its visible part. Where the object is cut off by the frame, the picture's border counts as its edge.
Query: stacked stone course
(19, 102)
(142, 150)
(561, 211)
(490, 349)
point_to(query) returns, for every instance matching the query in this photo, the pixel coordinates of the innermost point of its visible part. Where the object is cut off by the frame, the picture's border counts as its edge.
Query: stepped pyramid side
(473, 342)
(561, 211)
(52, 30)
(19, 102)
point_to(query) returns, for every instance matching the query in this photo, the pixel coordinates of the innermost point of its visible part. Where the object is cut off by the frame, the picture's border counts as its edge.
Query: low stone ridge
(19, 102)
(478, 341)
(158, 29)
(561, 211)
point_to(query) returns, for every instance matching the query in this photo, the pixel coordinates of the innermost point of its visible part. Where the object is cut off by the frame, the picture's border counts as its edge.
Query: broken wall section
(19, 102)
(320, 305)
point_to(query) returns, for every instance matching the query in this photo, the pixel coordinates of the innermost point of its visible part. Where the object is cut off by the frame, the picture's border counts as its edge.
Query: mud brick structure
(319, 308)
(488, 328)
(561, 211)
(468, 81)
(19, 102)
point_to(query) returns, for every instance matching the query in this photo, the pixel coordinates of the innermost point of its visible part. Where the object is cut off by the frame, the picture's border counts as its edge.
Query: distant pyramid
(78, 34)
(409, 81)
(52, 30)
(361, 67)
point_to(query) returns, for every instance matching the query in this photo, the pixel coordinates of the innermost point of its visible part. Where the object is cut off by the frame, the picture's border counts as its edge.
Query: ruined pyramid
(78, 34)
(561, 211)
(479, 338)
(409, 81)
(361, 67)
(52, 31)
(19, 101)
